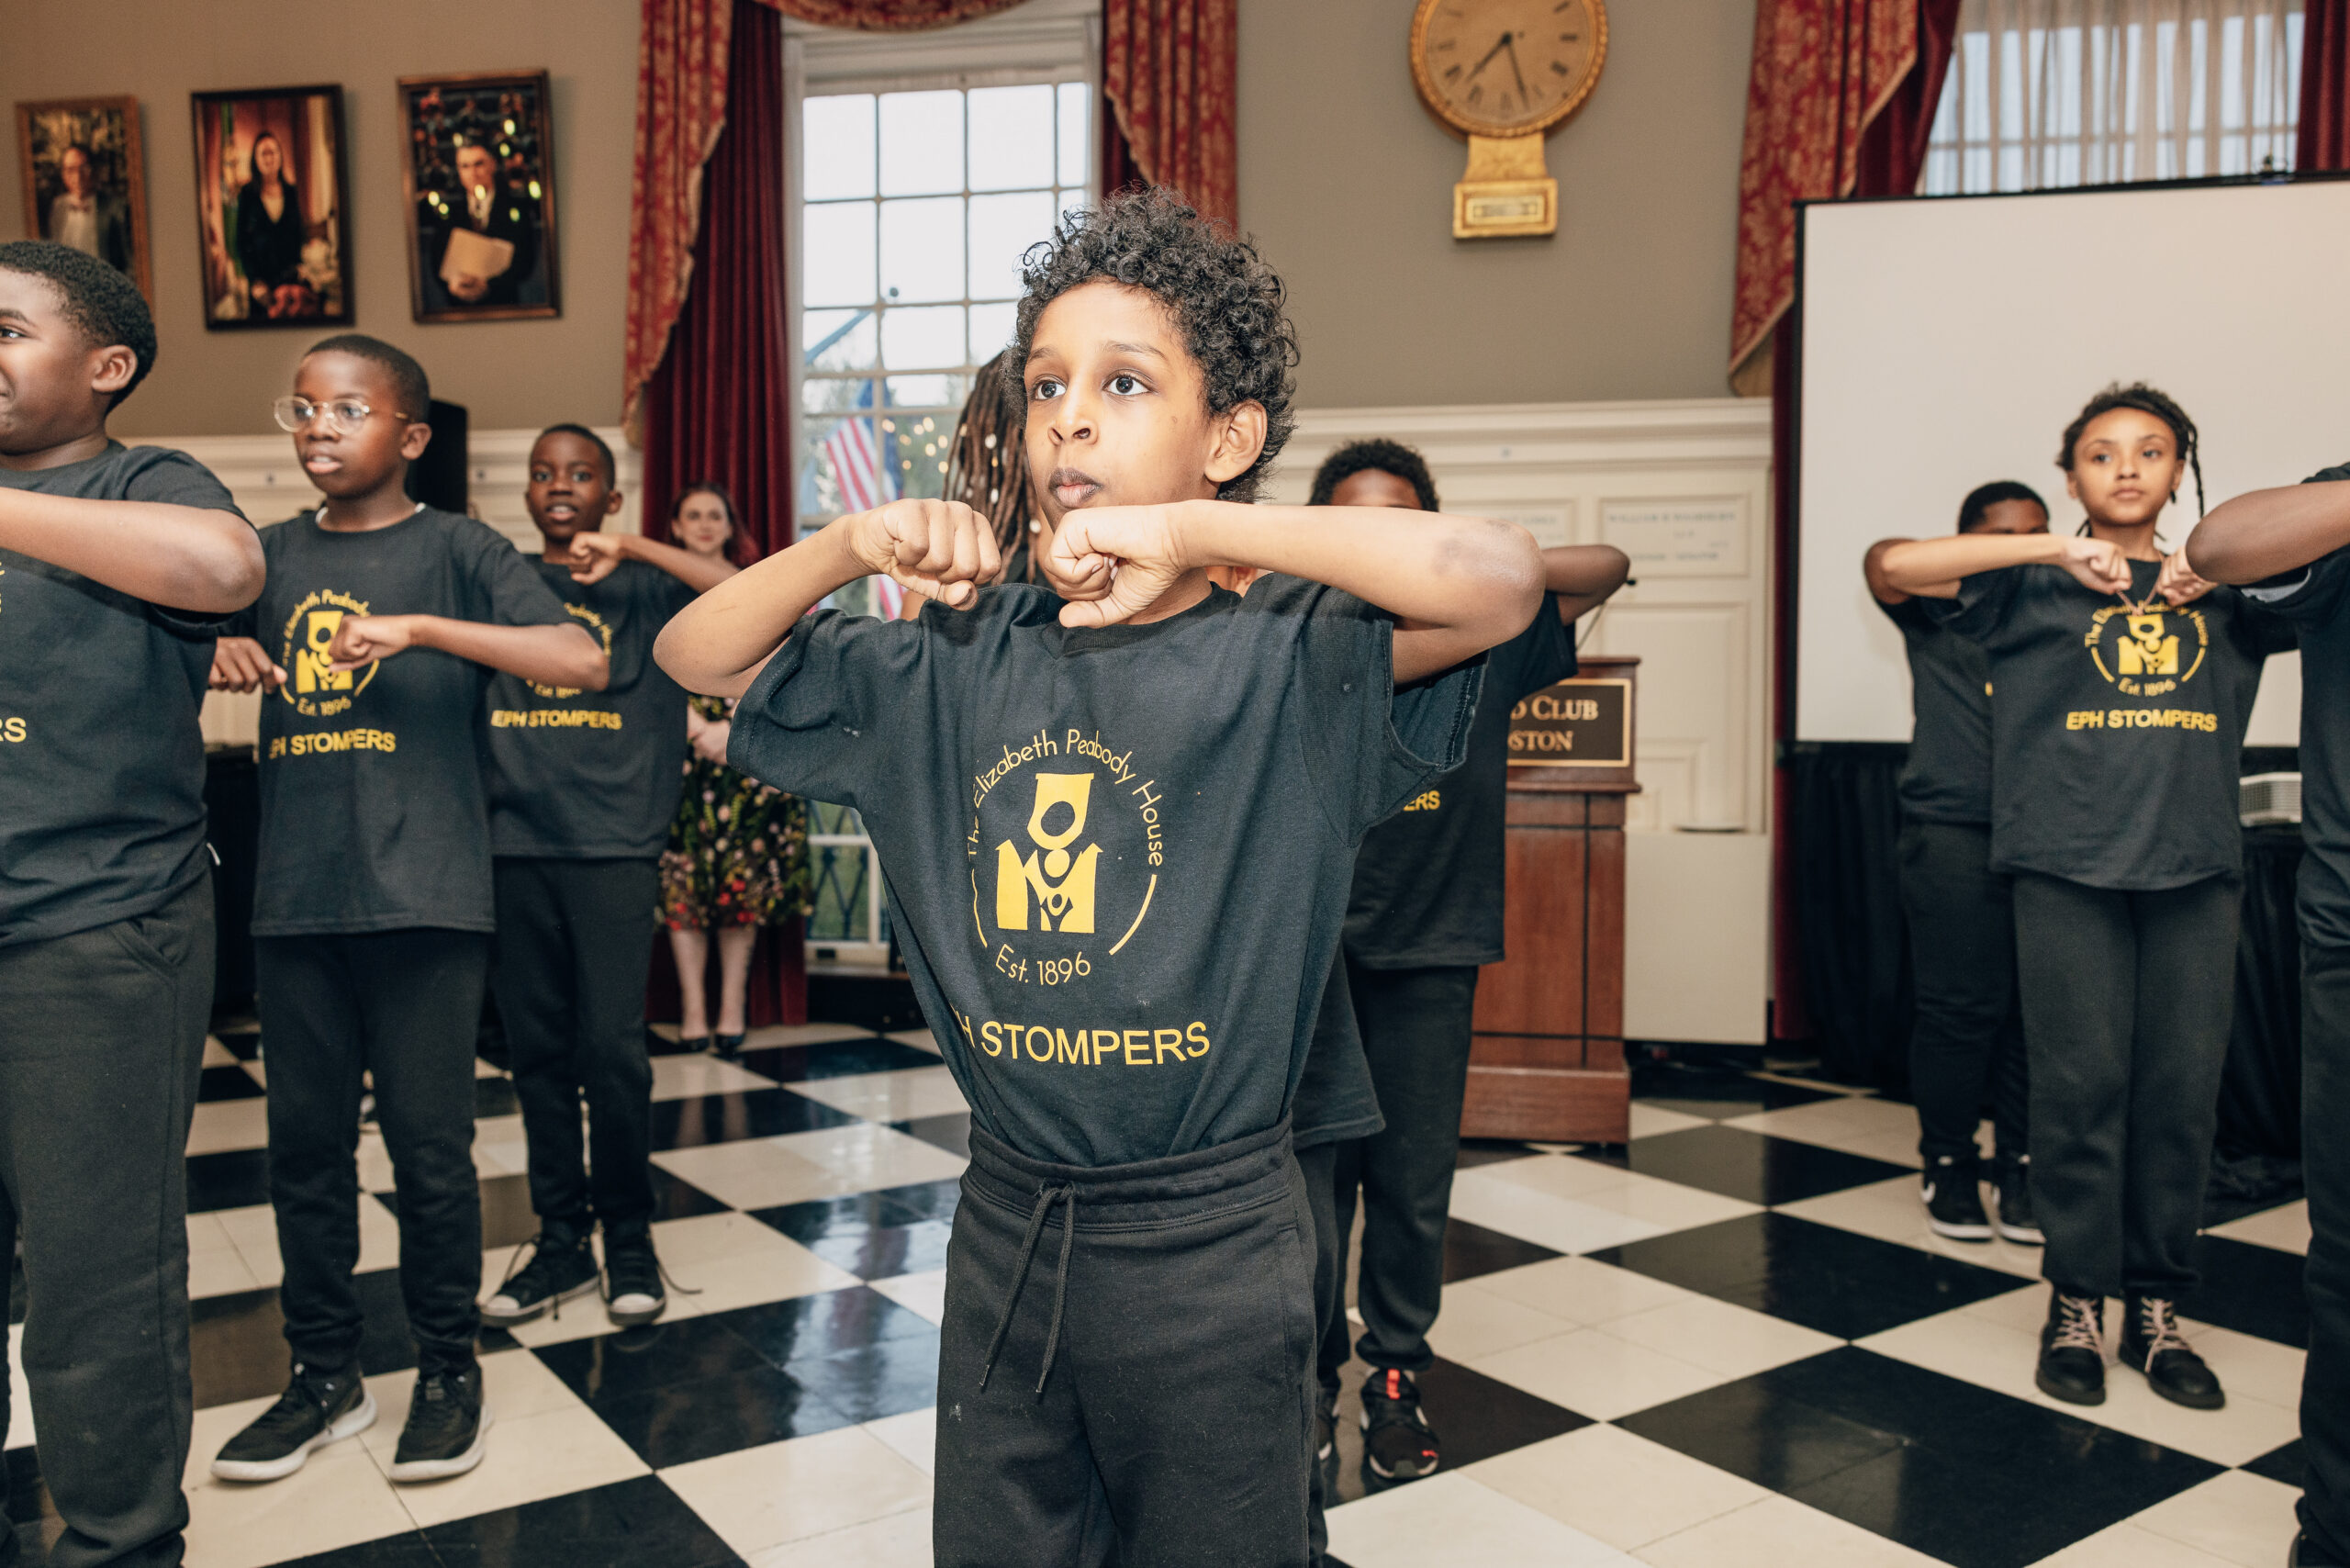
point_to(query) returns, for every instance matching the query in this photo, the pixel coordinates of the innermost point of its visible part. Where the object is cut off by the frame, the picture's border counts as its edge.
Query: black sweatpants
(403, 1006)
(1172, 1427)
(100, 1044)
(2127, 1000)
(1968, 1037)
(2325, 1175)
(1318, 1165)
(1415, 1025)
(575, 939)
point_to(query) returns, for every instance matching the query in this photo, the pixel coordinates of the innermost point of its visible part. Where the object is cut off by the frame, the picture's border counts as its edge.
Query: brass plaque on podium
(1576, 724)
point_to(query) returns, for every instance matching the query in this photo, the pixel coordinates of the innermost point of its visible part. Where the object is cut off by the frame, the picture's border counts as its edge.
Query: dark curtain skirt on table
(1855, 951)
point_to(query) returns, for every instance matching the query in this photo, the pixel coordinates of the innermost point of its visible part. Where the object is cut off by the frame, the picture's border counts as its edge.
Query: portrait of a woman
(270, 209)
(271, 231)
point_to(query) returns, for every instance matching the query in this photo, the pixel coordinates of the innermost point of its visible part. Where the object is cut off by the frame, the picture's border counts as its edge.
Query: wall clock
(1504, 74)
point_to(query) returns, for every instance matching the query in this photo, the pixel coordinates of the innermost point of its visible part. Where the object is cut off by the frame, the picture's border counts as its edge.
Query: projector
(2264, 800)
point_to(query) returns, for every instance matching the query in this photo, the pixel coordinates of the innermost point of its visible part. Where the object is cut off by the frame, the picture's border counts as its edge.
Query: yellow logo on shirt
(1063, 888)
(2148, 650)
(594, 624)
(315, 687)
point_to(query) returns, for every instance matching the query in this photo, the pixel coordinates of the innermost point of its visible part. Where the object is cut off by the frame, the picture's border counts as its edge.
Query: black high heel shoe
(728, 1047)
(693, 1044)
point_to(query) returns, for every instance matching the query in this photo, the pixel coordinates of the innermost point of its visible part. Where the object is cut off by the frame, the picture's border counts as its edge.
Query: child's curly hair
(1226, 301)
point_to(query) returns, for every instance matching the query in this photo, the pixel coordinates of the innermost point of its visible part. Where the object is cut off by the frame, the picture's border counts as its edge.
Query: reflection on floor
(1731, 1342)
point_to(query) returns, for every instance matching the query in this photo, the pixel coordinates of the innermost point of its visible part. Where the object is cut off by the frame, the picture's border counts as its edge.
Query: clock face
(1507, 67)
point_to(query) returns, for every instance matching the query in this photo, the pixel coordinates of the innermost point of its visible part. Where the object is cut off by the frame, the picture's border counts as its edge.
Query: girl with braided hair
(2121, 683)
(987, 473)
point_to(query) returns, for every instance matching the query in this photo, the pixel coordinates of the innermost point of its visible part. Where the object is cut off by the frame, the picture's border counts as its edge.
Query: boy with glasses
(372, 905)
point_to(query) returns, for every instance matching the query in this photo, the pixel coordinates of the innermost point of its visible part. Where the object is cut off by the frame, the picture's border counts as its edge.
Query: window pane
(927, 392)
(927, 337)
(838, 340)
(850, 466)
(990, 330)
(822, 395)
(1002, 227)
(918, 447)
(922, 143)
(838, 237)
(837, 147)
(1076, 132)
(1011, 138)
(921, 249)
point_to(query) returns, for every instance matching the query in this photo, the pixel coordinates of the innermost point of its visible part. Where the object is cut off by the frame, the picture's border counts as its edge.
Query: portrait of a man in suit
(93, 221)
(481, 185)
(85, 185)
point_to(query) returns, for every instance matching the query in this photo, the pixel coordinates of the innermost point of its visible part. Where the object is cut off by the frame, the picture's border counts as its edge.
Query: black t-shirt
(374, 815)
(101, 754)
(2117, 736)
(1120, 854)
(1427, 886)
(1948, 776)
(593, 775)
(1335, 1097)
(2315, 601)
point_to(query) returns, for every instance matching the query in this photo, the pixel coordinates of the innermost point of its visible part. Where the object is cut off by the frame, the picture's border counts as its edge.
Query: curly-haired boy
(1119, 817)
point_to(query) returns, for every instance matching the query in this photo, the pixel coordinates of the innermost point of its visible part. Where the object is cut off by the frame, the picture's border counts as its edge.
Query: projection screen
(1948, 340)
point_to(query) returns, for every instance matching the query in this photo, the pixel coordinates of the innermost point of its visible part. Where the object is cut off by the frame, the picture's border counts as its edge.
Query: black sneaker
(2152, 1343)
(2015, 1219)
(2307, 1553)
(633, 1288)
(1953, 1194)
(448, 1426)
(316, 1409)
(1398, 1444)
(2072, 1349)
(560, 1267)
(1325, 1425)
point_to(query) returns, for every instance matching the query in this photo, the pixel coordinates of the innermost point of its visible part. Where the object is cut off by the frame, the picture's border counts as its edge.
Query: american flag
(859, 456)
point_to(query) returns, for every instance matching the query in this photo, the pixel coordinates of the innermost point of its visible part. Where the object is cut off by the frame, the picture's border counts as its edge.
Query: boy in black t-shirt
(118, 566)
(380, 629)
(1425, 912)
(2290, 549)
(1118, 816)
(582, 788)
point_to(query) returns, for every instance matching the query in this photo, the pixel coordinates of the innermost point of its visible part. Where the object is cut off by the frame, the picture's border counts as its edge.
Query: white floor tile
(920, 1039)
(685, 1077)
(1474, 1322)
(733, 1260)
(1666, 1205)
(2284, 1227)
(1593, 1373)
(1582, 1291)
(218, 1273)
(1559, 1176)
(216, 1054)
(914, 1434)
(253, 1232)
(764, 1497)
(888, 1096)
(338, 1499)
(1623, 1490)
(1451, 1519)
(2237, 1517)
(223, 1125)
(21, 1401)
(551, 1445)
(865, 1158)
(1733, 1340)
(925, 1293)
(1779, 1532)
(752, 1173)
(499, 1147)
(1563, 1224)
(1890, 1211)
(1651, 1120)
(898, 1541)
(775, 1034)
(2127, 1546)
(1879, 1129)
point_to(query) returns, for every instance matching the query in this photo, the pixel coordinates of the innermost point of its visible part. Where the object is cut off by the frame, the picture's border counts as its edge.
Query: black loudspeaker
(438, 478)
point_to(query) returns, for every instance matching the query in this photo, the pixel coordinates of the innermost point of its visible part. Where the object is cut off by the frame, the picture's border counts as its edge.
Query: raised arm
(1873, 568)
(1457, 586)
(1932, 569)
(181, 557)
(718, 644)
(594, 556)
(552, 656)
(1582, 575)
(2267, 532)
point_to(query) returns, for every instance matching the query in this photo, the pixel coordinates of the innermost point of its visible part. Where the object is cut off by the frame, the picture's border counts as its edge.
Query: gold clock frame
(1507, 191)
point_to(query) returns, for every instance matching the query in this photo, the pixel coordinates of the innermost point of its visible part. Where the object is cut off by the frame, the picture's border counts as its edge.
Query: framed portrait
(479, 173)
(273, 224)
(85, 181)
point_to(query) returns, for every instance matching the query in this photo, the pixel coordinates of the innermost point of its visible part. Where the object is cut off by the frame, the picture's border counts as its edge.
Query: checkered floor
(1732, 1342)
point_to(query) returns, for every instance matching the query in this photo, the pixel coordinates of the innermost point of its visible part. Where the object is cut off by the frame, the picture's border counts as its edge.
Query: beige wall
(508, 372)
(1347, 183)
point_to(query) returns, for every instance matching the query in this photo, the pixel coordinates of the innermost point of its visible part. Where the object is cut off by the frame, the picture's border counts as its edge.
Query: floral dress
(738, 850)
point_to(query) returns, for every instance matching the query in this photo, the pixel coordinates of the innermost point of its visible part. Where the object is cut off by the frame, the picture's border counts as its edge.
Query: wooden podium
(1547, 1059)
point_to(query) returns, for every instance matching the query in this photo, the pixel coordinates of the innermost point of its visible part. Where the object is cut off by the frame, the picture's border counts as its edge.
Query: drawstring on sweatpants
(1046, 1198)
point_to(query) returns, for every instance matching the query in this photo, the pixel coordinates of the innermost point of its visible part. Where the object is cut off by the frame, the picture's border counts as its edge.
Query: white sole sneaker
(509, 1315)
(441, 1468)
(360, 1416)
(634, 1310)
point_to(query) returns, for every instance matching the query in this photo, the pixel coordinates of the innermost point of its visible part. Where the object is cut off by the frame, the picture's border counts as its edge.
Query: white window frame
(1042, 41)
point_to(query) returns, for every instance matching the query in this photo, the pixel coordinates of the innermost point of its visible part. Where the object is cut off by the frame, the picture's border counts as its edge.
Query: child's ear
(612, 504)
(111, 369)
(2072, 483)
(414, 440)
(1240, 437)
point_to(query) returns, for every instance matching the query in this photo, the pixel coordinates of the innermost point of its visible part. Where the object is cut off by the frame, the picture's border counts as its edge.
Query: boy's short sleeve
(1371, 745)
(819, 720)
(501, 588)
(160, 476)
(2310, 595)
(1985, 603)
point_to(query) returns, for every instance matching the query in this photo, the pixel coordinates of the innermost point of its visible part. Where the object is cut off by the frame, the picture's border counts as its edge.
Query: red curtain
(2326, 86)
(1170, 69)
(1885, 158)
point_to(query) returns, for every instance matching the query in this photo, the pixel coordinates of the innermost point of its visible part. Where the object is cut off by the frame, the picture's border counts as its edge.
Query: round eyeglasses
(344, 415)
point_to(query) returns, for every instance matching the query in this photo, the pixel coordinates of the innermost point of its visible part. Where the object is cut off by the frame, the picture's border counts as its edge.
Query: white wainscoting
(1683, 488)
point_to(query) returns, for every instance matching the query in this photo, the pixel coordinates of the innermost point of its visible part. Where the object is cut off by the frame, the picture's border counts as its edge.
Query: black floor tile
(2251, 1289)
(677, 1353)
(1914, 1456)
(232, 1178)
(242, 1043)
(951, 1133)
(1476, 1418)
(674, 1198)
(837, 1058)
(886, 1379)
(494, 1097)
(1826, 1279)
(1472, 1250)
(238, 1342)
(406, 1550)
(830, 1323)
(888, 1206)
(887, 1251)
(1488, 1150)
(1752, 1165)
(226, 1084)
(921, 1201)
(2285, 1464)
(677, 1423)
(704, 1119)
(638, 1523)
(20, 1484)
(1713, 1091)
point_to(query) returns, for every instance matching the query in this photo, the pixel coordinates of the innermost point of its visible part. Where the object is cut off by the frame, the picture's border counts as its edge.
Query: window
(928, 163)
(2054, 93)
